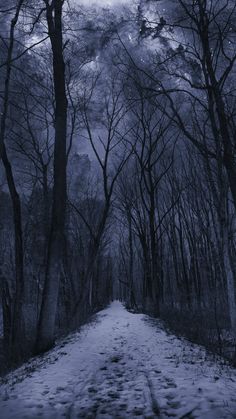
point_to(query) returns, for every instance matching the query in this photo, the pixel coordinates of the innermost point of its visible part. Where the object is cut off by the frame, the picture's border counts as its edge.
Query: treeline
(55, 266)
(176, 199)
(118, 147)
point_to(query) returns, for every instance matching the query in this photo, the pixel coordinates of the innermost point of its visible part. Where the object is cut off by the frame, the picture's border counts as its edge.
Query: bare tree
(111, 155)
(57, 241)
(16, 333)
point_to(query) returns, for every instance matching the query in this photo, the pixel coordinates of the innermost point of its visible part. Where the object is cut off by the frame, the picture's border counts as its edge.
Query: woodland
(118, 167)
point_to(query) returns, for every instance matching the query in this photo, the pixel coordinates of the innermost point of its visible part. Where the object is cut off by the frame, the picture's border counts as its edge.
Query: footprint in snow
(113, 395)
(116, 358)
(45, 392)
(58, 389)
(170, 396)
(174, 404)
(92, 390)
(138, 411)
(170, 385)
(103, 368)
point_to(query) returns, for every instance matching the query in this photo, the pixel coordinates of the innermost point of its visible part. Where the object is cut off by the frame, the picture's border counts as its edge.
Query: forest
(118, 168)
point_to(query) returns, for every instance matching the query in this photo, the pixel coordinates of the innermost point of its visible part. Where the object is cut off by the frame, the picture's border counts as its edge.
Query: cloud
(102, 2)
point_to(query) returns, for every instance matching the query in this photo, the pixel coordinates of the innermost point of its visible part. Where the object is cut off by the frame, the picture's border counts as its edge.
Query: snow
(122, 365)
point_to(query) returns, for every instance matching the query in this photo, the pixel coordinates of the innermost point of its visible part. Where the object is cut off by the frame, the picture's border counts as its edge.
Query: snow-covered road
(123, 365)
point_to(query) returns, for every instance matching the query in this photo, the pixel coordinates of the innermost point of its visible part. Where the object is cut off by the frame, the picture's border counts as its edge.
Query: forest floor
(122, 365)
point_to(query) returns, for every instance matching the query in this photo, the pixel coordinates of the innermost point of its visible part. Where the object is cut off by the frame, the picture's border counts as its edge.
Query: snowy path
(122, 366)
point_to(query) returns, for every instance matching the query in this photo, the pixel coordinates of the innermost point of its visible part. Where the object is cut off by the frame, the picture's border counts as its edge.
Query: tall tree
(15, 335)
(57, 241)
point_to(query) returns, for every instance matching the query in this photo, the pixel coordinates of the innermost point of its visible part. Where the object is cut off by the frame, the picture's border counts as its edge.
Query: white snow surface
(122, 365)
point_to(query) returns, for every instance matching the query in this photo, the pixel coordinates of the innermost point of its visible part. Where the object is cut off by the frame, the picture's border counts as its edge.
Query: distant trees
(153, 139)
(191, 83)
(107, 140)
(211, 99)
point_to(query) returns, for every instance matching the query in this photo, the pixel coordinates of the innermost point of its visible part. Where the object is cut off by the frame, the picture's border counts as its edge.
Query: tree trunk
(229, 279)
(17, 343)
(57, 242)
(131, 297)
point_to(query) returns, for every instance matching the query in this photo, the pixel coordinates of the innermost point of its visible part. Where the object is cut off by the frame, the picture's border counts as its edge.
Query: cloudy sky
(103, 2)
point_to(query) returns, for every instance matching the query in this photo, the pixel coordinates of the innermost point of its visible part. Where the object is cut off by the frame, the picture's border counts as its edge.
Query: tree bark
(17, 345)
(57, 242)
